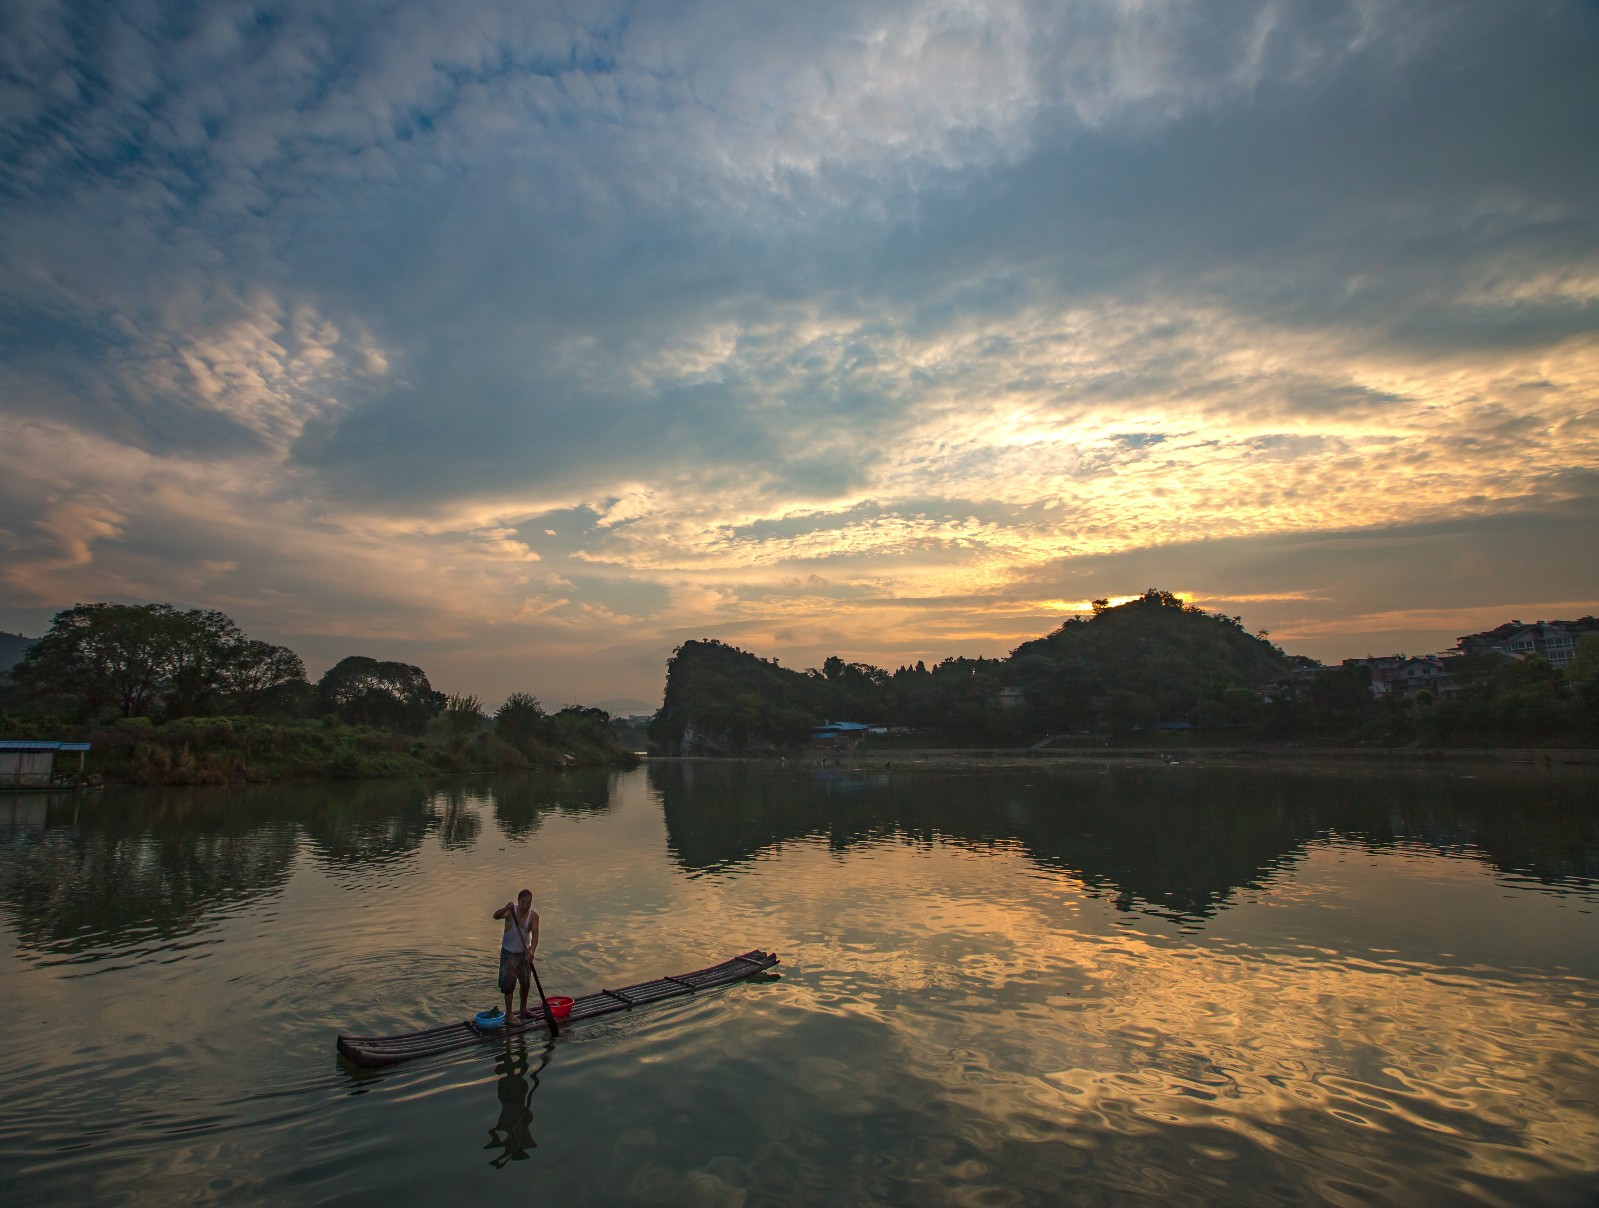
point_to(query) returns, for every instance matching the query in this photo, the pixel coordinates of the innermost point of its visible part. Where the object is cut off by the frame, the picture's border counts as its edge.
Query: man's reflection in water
(512, 1133)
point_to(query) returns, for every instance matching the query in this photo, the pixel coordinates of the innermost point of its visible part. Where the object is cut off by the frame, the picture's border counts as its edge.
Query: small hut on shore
(30, 763)
(840, 735)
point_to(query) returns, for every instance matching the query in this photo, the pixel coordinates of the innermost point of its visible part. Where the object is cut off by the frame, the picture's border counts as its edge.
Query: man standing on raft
(517, 946)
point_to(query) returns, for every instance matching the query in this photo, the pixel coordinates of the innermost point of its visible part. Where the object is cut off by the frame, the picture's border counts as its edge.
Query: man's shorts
(513, 970)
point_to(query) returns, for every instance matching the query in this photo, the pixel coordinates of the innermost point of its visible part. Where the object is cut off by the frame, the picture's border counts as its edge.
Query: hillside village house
(1555, 640)
(1407, 677)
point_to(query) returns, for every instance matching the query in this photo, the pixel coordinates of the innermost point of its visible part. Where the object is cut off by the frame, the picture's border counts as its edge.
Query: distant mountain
(626, 706)
(12, 647)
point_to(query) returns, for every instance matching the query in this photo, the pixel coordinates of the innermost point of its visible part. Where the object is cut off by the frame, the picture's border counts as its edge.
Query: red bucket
(560, 1006)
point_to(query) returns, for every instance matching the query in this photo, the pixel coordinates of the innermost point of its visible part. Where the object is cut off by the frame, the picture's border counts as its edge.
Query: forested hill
(1151, 659)
(1189, 664)
(12, 647)
(722, 699)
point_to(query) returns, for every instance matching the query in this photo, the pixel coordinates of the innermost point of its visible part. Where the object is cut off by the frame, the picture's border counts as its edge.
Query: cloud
(583, 331)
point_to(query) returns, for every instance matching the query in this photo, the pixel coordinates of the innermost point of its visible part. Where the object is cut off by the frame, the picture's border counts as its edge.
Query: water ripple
(993, 992)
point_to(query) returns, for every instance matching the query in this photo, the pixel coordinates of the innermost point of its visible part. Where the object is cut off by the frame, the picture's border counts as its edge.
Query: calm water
(1096, 984)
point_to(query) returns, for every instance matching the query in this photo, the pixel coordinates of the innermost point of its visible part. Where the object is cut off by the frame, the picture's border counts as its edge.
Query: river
(1041, 984)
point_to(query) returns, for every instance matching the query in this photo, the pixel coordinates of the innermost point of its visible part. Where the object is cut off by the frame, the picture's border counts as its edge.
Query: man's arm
(532, 934)
(505, 910)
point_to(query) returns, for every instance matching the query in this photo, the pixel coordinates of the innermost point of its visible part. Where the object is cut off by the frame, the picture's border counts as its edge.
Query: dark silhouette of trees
(151, 660)
(263, 678)
(519, 720)
(1122, 669)
(575, 734)
(390, 695)
(722, 699)
(167, 696)
(1120, 672)
(463, 715)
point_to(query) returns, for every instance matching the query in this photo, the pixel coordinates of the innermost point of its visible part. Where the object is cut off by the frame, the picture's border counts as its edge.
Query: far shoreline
(1018, 757)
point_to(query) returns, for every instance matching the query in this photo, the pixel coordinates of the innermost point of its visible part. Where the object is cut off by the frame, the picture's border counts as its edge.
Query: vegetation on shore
(176, 697)
(170, 697)
(1150, 669)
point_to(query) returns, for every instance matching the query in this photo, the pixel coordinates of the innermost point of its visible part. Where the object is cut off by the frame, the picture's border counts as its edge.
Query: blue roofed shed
(835, 731)
(30, 763)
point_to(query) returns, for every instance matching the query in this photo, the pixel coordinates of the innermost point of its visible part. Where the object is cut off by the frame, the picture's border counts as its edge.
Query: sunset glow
(527, 347)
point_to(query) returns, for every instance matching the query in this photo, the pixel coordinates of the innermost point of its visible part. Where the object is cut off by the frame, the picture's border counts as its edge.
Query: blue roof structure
(840, 729)
(39, 744)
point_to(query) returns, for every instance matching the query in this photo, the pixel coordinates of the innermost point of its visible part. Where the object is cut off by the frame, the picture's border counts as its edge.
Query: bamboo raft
(372, 1052)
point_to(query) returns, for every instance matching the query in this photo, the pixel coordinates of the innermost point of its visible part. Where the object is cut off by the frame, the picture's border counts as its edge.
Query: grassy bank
(237, 750)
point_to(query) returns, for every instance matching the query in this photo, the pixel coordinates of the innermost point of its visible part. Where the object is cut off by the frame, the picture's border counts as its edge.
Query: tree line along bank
(170, 696)
(1152, 670)
(185, 697)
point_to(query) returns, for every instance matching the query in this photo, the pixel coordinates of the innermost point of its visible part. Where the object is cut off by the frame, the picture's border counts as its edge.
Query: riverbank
(253, 750)
(1006, 756)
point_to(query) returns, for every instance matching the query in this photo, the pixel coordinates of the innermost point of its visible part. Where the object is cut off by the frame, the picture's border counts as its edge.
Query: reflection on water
(521, 806)
(1174, 841)
(1035, 985)
(512, 1134)
(97, 878)
(116, 871)
(23, 812)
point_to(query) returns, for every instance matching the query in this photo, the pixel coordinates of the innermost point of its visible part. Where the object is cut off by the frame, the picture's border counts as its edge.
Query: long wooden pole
(549, 1016)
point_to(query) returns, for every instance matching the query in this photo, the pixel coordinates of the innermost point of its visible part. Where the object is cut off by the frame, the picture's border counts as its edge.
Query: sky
(525, 342)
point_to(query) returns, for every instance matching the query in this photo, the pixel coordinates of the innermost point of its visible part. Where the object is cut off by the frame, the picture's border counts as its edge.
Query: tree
(261, 676)
(1337, 699)
(197, 647)
(99, 656)
(1582, 672)
(578, 725)
(1128, 711)
(365, 691)
(149, 659)
(1528, 694)
(1242, 706)
(91, 656)
(463, 714)
(520, 720)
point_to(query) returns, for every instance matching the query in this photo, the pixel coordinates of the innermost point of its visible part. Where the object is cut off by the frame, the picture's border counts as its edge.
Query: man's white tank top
(515, 939)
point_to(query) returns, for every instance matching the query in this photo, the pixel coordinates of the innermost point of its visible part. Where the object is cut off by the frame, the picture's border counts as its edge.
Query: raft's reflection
(512, 1133)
